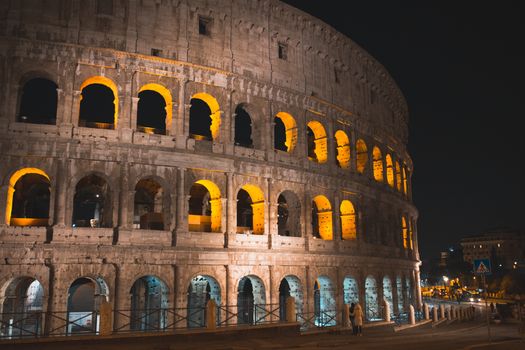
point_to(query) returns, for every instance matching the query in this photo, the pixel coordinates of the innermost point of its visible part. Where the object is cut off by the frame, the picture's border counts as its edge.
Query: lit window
(499, 245)
(480, 246)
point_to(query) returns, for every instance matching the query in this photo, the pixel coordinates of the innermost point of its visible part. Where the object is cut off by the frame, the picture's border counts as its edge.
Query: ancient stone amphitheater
(158, 154)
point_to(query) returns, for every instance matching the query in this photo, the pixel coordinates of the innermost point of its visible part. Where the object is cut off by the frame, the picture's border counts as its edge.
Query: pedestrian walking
(352, 318)
(358, 319)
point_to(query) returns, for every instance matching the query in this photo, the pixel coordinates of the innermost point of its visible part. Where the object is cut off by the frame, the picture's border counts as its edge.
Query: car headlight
(479, 299)
(471, 299)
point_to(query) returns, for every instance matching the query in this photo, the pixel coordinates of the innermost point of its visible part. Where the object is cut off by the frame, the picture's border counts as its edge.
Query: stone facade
(260, 54)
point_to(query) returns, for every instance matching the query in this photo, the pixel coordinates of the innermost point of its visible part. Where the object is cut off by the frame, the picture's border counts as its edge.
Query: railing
(322, 319)
(61, 323)
(374, 314)
(250, 315)
(159, 320)
(34, 324)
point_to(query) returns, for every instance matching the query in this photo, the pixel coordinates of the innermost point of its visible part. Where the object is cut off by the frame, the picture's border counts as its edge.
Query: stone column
(336, 220)
(125, 197)
(75, 109)
(180, 124)
(231, 219)
(3, 204)
(181, 224)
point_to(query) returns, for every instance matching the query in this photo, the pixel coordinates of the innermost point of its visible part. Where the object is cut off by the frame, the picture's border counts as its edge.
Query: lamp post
(445, 282)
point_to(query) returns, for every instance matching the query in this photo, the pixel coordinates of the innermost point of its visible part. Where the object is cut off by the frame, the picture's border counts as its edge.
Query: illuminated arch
(389, 170)
(166, 95)
(404, 232)
(343, 149)
(324, 217)
(362, 156)
(215, 114)
(405, 181)
(348, 220)
(108, 83)
(377, 158)
(215, 203)
(11, 189)
(257, 205)
(410, 235)
(398, 176)
(320, 148)
(290, 127)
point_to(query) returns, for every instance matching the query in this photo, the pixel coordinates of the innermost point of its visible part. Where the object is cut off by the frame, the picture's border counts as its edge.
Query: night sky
(461, 67)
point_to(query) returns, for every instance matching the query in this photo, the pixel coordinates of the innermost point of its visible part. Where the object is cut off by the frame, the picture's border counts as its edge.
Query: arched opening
(405, 181)
(322, 218)
(200, 290)
(410, 235)
(409, 292)
(28, 198)
(92, 203)
(205, 117)
(22, 303)
(350, 290)
(404, 232)
(399, 183)
(378, 164)
(361, 155)
(251, 299)
(98, 104)
(371, 300)
(343, 149)
(149, 303)
(348, 220)
(243, 127)
(324, 302)
(84, 298)
(389, 170)
(317, 142)
(290, 287)
(205, 207)
(285, 132)
(38, 102)
(288, 214)
(387, 293)
(154, 109)
(400, 294)
(250, 210)
(148, 210)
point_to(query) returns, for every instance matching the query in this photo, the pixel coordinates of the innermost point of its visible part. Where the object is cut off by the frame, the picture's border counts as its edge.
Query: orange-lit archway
(10, 196)
(348, 220)
(343, 149)
(318, 144)
(405, 181)
(362, 156)
(210, 215)
(166, 95)
(215, 113)
(256, 204)
(290, 127)
(377, 163)
(404, 232)
(389, 170)
(398, 176)
(322, 218)
(109, 84)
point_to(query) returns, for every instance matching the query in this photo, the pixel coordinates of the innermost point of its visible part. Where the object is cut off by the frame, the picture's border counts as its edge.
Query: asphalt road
(462, 336)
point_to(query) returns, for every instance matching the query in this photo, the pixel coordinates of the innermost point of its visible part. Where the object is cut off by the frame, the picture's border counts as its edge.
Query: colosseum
(161, 156)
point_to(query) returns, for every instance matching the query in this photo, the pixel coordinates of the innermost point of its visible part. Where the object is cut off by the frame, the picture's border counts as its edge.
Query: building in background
(505, 247)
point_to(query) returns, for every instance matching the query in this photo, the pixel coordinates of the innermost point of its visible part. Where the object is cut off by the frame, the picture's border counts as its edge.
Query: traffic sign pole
(486, 304)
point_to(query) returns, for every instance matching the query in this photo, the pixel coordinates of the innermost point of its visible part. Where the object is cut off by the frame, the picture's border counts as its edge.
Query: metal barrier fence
(321, 319)
(44, 324)
(60, 323)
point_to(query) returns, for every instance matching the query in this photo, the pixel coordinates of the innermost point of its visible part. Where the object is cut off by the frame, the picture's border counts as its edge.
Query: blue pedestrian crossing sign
(481, 266)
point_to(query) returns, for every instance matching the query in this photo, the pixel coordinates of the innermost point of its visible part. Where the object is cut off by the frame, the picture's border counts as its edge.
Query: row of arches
(149, 300)
(28, 204)
(99, 109)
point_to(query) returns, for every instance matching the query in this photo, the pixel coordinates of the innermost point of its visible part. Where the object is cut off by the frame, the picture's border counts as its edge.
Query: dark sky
(460, 65)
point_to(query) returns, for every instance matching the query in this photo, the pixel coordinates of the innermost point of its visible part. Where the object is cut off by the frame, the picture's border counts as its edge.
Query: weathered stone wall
(236, 63)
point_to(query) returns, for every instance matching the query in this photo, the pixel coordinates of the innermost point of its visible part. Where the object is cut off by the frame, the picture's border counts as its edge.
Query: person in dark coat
(352, 318)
